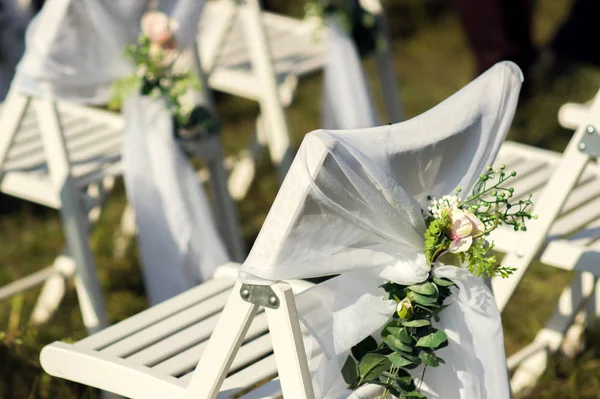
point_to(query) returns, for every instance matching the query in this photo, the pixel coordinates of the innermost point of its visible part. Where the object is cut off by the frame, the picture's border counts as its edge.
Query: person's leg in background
(499, 30)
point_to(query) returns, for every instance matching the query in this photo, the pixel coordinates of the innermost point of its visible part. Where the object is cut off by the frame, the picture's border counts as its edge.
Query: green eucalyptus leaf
(396, 344)
(401, 334)
(409, 356)
(416, 323)
(349, 371)
(433, 340)
(372, 365)
(366, 345)
(429, 359)
(394, 323)
(424, 289)
(443, 282)
(421, 299)
(388, 384)
(414, 394)
(399, 360)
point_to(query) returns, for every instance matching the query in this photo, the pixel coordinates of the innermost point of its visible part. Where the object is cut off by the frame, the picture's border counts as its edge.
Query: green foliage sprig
(155, 77)
(407, 341)
(363, 26)
(409, 338)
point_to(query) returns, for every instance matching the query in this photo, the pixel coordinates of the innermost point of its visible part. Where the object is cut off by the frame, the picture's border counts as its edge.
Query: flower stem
(422, 378)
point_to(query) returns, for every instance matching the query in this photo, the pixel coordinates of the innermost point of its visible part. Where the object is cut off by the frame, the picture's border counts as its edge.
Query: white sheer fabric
(75, 47)
(179, 244)
(347, 102)
(352, 205)
(75, 51)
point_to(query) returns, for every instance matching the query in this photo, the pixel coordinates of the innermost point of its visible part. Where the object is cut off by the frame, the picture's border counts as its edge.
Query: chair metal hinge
(261, 295)
(590, 142)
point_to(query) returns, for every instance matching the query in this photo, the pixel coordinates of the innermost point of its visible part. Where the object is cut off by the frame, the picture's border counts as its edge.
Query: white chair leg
(74, 217)
(270, 103)
(552, 335)
(125, 233)
(244, 170)
(290, 354)
(222, 347)
(53, 290)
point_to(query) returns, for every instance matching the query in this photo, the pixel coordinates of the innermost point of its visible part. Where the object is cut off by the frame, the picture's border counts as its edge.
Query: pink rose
(159, 28)
(463, 226)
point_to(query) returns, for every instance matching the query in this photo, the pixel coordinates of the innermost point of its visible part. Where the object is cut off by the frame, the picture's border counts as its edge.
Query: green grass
(432, 62)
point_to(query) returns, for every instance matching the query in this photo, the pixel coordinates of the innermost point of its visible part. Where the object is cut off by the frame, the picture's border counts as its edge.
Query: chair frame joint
(262, 295)
(590, 142)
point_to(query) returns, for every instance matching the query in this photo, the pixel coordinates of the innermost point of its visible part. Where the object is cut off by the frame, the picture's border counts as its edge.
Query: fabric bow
(351, 206)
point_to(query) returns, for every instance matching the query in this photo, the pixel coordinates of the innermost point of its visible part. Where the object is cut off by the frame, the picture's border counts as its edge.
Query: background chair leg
(270, 103)
(552, 335)
(244, 170)
(125, 233)
(53, 290)
(74, 216)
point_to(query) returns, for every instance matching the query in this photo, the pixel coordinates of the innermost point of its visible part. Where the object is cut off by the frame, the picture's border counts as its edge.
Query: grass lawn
(432, 62)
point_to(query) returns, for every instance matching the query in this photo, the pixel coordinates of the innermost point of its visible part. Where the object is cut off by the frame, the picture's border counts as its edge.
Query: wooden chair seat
(154, 353)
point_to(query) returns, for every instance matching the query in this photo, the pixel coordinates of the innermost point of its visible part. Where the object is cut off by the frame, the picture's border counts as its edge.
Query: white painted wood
(569, 207)
(271, 106)
(548, 207)
(26, 283)
(53, 290)
(572, 115)
(221, 349)
(164, 328)
(11, 116)
(288, 346)
(153, 315)
(108, 372)
(551, 336)
(188, 359)
(73, 217)
(92, 141)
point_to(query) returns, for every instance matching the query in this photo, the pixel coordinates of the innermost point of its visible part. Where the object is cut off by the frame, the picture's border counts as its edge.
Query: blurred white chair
(260, 56)
(566, 195)
(66, 156)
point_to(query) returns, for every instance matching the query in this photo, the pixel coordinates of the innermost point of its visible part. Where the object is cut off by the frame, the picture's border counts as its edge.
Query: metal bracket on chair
(590, 142)
(261, 295)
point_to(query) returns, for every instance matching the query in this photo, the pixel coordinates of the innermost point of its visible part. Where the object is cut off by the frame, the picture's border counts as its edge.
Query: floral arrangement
(153, 56)
(456, 228)
(357, 18)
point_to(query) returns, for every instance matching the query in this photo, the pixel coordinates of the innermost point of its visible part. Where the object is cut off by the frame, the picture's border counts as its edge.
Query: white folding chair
(66, 156)
(154, 353)
(259, 56)
(566, 194)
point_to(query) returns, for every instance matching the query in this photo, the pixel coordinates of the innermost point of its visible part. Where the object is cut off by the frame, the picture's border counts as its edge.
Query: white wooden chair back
(62, 192)
(80, 151)
(275, 66)
(575, 158)
(229, 333)
(577, 302)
